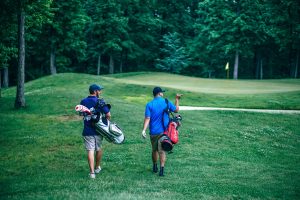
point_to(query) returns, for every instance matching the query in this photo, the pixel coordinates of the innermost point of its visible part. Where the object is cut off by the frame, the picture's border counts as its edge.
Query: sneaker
(161, 171)
(97, 170)
(155, 169)
(92, 175)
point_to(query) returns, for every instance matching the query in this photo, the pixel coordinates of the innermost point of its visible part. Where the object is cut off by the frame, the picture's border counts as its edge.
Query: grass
(211, 86)
(266, 94)
(221, 154)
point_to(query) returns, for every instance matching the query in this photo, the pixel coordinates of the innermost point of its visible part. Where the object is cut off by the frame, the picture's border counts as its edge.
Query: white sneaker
(92, 175)
(97, 170)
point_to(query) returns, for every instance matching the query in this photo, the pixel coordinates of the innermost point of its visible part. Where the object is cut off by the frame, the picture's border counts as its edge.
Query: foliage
(66, 33)
(107, 29)
(8, 43)
(133, 34)
(174, 55)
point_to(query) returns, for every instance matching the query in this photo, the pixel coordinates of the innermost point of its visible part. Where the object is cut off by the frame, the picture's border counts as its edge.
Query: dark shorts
(156, 145)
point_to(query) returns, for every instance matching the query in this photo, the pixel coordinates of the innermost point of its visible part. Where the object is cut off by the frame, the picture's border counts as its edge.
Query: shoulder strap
(99, 106)
(167, 111)
(100, 103)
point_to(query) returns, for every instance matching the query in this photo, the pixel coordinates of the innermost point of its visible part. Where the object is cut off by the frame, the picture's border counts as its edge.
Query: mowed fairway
(255, 94)
(213, 86)
(221, 154)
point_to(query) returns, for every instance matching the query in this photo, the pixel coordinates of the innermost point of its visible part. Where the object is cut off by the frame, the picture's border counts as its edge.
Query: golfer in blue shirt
(157, 120)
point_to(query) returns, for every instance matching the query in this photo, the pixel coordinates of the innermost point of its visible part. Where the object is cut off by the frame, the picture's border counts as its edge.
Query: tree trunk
(42, 69)
(99, 65)
(296, 65)
(261, 69)
(257, 64)
(20, 98)
(121, 63)
(257, 68)
(5, 77)
(52, 61)
(126, 59)
(236, 65)
(0, 82)
(121, 67)
(111, 65)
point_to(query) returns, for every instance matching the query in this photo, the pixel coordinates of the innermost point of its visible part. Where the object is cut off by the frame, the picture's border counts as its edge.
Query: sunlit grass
(212, 86)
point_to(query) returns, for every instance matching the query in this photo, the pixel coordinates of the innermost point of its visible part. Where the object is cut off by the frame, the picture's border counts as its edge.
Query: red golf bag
(170, 136)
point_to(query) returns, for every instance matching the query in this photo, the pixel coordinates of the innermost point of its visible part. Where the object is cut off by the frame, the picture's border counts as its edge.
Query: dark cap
(95, 87)
(157, 90)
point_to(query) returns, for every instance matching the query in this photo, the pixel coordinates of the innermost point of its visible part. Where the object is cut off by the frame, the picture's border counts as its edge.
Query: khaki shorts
(155, 141)
(92, 143)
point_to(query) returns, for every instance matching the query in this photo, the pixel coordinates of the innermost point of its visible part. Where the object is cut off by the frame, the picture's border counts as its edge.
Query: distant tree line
(259, 38)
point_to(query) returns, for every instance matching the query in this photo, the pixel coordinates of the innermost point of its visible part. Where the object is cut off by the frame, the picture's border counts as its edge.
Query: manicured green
(266, 94)
(221, 154)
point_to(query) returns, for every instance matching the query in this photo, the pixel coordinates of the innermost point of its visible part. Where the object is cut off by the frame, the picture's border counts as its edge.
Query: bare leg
(154, 161)
(91, 161)
(98, 157)
(162, 157)
(154, 156)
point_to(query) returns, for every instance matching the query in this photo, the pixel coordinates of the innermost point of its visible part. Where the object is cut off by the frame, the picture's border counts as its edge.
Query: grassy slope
(266, 94)
(221, 155)
(212, 86)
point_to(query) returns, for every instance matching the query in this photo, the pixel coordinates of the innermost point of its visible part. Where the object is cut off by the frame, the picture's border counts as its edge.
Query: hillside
(137, 88)
(220, 155)
(211, 86)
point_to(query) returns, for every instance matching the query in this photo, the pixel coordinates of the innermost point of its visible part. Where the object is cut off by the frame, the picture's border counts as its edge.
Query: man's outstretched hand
(178, 96)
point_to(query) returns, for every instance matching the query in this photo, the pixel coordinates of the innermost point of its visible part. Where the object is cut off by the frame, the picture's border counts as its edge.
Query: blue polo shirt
(89, 102)
(155, 111)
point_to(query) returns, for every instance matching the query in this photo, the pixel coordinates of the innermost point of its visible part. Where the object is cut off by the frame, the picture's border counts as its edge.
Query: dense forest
(258, 38)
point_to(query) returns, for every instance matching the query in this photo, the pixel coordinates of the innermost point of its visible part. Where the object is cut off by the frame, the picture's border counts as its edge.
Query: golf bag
(109, 130)
(170, 136)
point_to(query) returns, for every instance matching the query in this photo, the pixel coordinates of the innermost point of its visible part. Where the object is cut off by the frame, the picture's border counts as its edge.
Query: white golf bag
(109, 130)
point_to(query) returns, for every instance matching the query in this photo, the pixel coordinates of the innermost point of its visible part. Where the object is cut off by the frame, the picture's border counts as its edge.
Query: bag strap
(167, 111)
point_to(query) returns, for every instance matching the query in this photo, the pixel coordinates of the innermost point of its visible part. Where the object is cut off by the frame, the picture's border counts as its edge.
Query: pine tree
(174, 55)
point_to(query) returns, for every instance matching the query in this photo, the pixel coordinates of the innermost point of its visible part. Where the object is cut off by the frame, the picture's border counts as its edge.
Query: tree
(65, 33)
(141, 47)
(20, 97)
(22, 6)
(233, 29)
(174, 54)
(285, 29)
(93, 32)
(107, 30)
(8, 42)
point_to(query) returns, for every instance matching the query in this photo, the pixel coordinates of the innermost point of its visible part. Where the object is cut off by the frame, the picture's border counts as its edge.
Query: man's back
(155, 110)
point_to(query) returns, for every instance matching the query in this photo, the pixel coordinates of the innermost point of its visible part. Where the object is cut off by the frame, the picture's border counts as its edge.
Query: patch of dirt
(69, 118)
